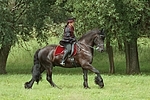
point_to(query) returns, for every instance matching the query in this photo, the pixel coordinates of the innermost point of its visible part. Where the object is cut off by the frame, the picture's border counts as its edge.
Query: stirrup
(62, 63)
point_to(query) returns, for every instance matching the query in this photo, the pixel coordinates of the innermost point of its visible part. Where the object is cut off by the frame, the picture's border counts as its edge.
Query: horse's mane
(90, 33)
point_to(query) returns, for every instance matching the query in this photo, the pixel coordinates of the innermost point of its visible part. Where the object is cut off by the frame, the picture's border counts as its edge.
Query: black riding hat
(70, 20)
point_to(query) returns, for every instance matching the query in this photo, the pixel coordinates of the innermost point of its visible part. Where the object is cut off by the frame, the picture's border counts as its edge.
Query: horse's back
(46, 52)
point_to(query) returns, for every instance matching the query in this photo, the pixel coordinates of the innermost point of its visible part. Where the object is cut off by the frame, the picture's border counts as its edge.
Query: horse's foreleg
(98, 78)
(85, 77)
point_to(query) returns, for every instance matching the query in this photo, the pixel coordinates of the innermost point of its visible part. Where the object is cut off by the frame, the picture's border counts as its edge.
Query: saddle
(60, 50)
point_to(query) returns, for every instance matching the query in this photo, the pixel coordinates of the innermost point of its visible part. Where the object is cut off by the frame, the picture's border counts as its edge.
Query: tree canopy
(119, 17)
(22, 20)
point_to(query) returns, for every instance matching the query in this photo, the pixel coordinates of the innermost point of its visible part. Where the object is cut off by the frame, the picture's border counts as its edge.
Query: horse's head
(94, 37)
(99, 40)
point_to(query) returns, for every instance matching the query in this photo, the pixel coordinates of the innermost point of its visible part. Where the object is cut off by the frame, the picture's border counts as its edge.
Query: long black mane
(90, 33)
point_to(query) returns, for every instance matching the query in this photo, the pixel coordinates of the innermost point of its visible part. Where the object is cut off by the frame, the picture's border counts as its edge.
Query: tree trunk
(4, 51)
(110, 55)
(127, 55)
(134, 64)
(5, 46)
(132, 60)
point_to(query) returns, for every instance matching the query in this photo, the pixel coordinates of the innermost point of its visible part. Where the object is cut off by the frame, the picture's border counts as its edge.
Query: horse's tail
(36, 73)
(36, 59)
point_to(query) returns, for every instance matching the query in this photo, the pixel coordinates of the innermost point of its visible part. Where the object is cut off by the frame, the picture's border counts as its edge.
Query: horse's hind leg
(36, 76)
(85, 77)
(49, 77)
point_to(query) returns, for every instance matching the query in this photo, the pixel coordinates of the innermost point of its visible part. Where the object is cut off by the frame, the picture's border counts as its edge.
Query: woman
(68, 39)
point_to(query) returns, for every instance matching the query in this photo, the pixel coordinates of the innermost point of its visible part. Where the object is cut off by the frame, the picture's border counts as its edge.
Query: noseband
(98, 45)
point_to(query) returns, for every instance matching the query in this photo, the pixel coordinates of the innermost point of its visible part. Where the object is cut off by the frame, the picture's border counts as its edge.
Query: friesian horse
(44, 59)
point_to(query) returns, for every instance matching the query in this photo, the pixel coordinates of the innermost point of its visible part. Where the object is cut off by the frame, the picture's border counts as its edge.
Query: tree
(130, 14)
(95, 14)
(124, 20)
(18, 18)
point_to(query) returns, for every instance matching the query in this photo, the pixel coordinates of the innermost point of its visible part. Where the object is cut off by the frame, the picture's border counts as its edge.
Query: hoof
(26, 85)
(99, 82)
(87, 87)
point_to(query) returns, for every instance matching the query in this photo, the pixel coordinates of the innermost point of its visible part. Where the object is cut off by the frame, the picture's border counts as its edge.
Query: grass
(117, 87)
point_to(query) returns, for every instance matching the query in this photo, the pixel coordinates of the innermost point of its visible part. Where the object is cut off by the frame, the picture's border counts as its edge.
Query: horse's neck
(87, 46)
(87, 42)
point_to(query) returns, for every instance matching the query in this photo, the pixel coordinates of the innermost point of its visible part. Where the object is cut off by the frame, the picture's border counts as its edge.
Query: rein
(91, 46)
(87, 45)
(86, 52)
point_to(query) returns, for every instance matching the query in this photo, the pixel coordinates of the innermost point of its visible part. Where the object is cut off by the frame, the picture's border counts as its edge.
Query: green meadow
(118, 86)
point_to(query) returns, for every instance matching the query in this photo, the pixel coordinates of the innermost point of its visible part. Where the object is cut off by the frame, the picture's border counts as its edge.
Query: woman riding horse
(44, 59)
(68, 39)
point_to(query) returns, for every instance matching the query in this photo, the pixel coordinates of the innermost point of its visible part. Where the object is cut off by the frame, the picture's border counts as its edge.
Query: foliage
(118, 17)
(22, 20)
(121, 18)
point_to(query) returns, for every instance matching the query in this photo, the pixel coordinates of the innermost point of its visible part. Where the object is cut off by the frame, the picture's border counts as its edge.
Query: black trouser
(67, 51)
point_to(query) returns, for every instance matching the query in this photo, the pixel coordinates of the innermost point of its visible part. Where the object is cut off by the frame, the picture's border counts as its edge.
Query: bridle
(87, 52)
(97, 46)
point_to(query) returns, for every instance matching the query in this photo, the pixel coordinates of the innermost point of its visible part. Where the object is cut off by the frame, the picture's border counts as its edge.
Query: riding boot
(64, 57)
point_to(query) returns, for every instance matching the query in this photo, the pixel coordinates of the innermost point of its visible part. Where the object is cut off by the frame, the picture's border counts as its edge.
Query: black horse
(44, 59)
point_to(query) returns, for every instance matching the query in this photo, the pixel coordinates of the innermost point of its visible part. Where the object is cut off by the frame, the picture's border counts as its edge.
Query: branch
(19, 16)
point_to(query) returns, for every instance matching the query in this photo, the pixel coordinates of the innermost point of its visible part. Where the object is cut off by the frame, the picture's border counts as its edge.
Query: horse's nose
(102, 50)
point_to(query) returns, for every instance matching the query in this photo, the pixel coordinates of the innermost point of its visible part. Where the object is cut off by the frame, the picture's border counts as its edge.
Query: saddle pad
(60, 50)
